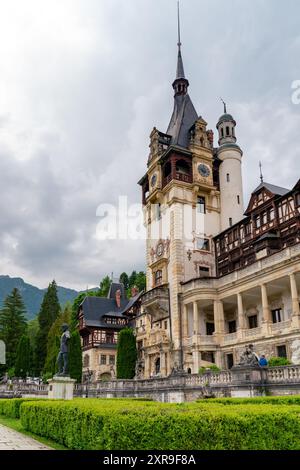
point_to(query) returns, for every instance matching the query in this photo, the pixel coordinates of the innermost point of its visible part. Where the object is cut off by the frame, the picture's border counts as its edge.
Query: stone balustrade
(182, 387)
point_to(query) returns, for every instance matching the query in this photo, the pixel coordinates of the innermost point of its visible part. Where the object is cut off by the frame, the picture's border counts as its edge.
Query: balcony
(200, 341)
(185, 178)
(278, 327)
(230, 338)
(253, 332)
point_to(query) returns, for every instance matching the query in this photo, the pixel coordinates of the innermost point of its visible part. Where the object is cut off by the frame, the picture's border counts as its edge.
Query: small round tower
(230, 172)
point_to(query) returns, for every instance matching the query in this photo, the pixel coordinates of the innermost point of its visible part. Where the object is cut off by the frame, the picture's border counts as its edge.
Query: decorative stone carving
(295, 349)
(248, 357)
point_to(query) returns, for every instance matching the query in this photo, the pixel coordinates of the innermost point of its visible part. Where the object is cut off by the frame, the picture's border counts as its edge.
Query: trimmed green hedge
(10, 407)
(133, 425)
(268, 400)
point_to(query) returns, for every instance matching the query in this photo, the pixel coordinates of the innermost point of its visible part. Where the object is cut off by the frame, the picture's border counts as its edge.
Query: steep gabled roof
(183, 117)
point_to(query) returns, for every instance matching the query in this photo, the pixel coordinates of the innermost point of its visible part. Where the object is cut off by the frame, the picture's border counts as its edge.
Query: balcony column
(185, 320)
(195, 318)
(266, 314)
(147, 366)
(163, 364)
(295, 301)
(196, 361)
(219, 319)
(241, 316)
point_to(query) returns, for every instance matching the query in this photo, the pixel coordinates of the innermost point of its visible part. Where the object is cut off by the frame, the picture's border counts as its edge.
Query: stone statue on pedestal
(249, 357)
(63, 354)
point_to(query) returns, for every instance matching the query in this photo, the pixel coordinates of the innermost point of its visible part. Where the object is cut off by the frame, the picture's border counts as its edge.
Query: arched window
(227, 130)
(222, 132)
(228, 178)
(182, 167)
(158, 277)
(201, 205)
(157, 365)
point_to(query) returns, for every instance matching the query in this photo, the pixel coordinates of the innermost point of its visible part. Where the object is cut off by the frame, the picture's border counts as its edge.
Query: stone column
(147, 366)
(241, 316)
(163, 364)
(266, 318)
(196, 361)
(185, 322)
(195, 318)
(219, 319)
(295, 302)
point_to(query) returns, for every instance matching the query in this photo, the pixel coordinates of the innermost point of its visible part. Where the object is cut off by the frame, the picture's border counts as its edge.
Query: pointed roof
(183, 117)
(184, 114)
(277, 190)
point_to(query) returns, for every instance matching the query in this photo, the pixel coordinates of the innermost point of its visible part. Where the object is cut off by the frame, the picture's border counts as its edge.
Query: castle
(218, 276)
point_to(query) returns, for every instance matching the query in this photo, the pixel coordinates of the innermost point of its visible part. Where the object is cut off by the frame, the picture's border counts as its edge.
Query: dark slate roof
(96, 308)
(225, 117)
(180, 69)
(278, 190)
(183, 117)
(267, 236)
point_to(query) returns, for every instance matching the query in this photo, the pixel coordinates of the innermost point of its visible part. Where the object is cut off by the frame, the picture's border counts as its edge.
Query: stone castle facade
(218, 277)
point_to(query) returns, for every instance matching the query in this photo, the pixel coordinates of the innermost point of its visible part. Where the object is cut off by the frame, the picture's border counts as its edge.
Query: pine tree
(22, 364)
(53, 341)
(104, 286)
(124, 279)
(126, 354)
(12, 325)
(75, 357)
(49, 312)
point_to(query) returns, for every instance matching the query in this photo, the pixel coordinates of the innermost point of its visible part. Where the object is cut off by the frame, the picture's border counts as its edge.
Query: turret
(230, 172)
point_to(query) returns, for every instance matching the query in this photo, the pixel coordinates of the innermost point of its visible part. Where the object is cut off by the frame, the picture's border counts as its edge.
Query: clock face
(160, 249)
(204, 170)
(153, 180)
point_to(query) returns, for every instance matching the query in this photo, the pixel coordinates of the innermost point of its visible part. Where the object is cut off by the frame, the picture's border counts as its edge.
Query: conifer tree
(126, 354)
(22, 365)
(75, 357)
(12, 325)
(49, 312)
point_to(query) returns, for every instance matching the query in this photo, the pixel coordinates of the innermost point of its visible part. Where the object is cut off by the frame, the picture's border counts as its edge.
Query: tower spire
(180, 69)
(225, 107)
(178, 20)
(261, 175)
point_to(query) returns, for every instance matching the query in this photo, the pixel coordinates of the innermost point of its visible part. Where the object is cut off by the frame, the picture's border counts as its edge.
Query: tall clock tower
(181, 200)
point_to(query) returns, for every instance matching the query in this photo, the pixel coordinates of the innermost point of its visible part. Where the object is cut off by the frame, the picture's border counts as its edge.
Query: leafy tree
(32, 331)
(75, 357)
(126, 354)
(124, 279)
(104, 286)
(49, 312)
(53, 342)
(140, 281)
(132, 279)
(12, 325)
(22, 364)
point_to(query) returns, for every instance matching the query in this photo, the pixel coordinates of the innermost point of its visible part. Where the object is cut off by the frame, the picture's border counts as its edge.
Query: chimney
(118, 298)
(210, 136)
(134, 291)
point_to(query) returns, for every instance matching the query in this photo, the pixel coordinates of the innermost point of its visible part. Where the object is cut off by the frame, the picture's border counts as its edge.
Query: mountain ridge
(32, 295)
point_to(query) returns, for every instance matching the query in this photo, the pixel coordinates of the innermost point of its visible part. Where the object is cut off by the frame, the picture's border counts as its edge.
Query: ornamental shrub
(10, 407)
(278, 361)
(213, 368)
(137, 425)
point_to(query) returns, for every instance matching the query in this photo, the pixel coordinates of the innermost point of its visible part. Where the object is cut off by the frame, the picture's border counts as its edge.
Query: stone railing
(281, 326)
(285, 374)
(252, 332)
(229, 338)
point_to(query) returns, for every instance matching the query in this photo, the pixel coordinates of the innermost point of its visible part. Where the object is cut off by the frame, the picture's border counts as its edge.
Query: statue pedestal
(247, 381)
(61, 388)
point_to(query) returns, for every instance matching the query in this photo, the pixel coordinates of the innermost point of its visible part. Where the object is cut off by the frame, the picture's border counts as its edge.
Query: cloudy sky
(83, 82)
